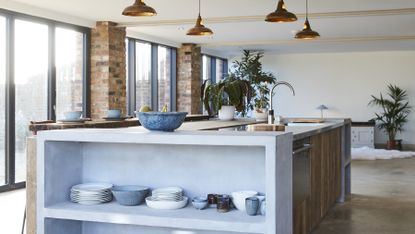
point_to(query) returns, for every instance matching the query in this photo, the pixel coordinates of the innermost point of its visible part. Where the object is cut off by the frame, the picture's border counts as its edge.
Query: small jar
(223, 203)
(212, 199)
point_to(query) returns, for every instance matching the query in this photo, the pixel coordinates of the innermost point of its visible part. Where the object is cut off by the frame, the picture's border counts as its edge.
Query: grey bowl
(199, 203)
(130, 195)
(161, 121)
(72, 115)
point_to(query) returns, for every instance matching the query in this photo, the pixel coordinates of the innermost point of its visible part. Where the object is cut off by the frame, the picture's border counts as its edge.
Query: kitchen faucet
(271, 118)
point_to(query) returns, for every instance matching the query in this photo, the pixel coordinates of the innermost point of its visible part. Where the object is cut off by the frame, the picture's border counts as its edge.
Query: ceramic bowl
(114, 113)
(161, 121)
(166, 205)
(238, 198)
(72, 115)
(129, 195)
(199, 203)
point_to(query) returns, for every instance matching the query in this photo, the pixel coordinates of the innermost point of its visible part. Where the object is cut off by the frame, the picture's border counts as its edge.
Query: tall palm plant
(395, 111)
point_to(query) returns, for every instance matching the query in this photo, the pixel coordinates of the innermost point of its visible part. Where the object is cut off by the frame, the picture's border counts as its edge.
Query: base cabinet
(325, 181)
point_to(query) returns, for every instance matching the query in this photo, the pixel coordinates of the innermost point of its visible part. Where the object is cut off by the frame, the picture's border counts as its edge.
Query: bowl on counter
(238, 198)
(161, 121)
(72, 115)
(130, 195)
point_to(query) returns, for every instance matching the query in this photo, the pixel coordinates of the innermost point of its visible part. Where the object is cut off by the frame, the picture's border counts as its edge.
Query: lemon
(164, 109)
(145, 109)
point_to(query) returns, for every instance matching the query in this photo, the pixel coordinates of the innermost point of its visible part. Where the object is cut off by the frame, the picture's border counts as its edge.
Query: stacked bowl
(169, 198)
(91, 193)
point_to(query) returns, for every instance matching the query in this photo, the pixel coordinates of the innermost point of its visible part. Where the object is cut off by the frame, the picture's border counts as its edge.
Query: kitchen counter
(272, 151)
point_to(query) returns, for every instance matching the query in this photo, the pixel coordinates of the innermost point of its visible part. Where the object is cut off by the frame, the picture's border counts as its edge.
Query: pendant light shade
(139, 8)
(307, 33)
(199, 29)
(281, 14)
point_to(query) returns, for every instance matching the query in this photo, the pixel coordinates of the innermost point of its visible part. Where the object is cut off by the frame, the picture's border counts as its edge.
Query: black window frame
(212, 61)
(131, 85)
(11, 16)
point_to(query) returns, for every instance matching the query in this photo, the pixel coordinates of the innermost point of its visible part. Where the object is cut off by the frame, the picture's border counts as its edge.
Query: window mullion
(132, 73)
(213, 70)
(154, 76)
(173, 79)
(51, 74)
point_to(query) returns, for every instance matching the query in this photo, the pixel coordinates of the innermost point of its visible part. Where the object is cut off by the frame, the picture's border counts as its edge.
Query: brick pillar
(189, 78)
(108, 69)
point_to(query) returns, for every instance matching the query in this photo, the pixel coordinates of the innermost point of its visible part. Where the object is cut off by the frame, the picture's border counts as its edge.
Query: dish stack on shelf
(169, 198)
(91, 193)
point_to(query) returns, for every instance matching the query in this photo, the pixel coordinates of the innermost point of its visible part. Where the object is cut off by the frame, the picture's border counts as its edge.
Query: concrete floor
(383, 200)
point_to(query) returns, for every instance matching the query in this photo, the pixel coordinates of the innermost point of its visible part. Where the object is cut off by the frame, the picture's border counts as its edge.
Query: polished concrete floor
(382, 202)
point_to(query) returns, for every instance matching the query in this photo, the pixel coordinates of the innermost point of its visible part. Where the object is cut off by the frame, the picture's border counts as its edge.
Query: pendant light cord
(199, 7)
(306, 9)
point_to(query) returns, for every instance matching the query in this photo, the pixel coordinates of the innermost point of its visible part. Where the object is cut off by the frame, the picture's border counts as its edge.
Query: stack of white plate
(168, 198)
(91, 193)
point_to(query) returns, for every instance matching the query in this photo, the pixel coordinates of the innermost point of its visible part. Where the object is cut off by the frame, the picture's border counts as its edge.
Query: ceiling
(352, 25)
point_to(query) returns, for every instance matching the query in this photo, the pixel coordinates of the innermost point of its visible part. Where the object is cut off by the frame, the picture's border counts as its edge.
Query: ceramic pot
(394, 145)
(226, 113)
(261, 114)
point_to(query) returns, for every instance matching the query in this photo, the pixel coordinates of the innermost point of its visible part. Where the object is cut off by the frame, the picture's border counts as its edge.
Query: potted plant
(394, 114)
(249, 68)
(226, 97)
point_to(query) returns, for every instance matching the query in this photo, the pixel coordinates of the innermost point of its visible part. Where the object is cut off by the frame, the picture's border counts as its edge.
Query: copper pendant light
(307, 33)
(281, 14)
(199, 29)
(139, 8)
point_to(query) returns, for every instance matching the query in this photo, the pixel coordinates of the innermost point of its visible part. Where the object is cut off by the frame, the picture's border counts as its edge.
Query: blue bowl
(130, 195)
(199, 203)
(161, 121)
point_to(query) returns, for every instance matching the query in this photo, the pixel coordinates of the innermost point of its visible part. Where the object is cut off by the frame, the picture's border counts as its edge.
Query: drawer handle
(302, 149)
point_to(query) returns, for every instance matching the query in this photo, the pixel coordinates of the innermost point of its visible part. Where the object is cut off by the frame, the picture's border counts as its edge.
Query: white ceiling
(352, 25)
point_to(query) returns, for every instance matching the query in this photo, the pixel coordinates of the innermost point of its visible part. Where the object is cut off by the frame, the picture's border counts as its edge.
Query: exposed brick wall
(189, 79)
(108, 69)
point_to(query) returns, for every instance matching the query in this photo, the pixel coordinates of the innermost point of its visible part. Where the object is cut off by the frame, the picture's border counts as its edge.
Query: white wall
(343, 82)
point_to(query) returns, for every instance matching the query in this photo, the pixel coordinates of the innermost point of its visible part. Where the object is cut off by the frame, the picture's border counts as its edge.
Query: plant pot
(261, 114)
(226, 113)
(394, 145)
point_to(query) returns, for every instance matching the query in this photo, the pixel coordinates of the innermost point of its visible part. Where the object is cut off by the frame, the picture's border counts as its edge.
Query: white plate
(166, 205)
(168, 190)
(92, 187)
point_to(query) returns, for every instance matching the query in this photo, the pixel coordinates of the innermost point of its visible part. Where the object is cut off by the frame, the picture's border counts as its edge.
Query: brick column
(189, 78)
(108, 69)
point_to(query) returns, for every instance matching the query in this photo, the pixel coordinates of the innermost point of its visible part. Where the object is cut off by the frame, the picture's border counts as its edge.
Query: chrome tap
(271, 118)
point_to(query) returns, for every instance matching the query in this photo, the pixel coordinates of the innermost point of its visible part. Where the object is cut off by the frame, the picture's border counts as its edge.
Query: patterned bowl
(161, 121)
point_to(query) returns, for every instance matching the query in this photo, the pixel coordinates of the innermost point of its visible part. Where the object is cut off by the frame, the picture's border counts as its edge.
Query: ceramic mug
(251, 205)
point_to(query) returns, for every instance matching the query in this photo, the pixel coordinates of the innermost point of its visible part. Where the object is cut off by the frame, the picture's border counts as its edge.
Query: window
(43, 69)
(31, 82)
(151, 76)
(214, 68)
(69, 71)
(2, 100)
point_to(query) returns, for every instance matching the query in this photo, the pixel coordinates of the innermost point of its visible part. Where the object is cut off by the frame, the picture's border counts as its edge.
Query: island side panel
(279, 185)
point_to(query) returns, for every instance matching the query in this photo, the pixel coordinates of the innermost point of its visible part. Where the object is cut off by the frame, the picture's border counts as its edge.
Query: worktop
(267, 156)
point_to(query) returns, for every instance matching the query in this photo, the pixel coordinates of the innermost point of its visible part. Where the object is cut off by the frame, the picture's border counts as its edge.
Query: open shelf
(186, 218)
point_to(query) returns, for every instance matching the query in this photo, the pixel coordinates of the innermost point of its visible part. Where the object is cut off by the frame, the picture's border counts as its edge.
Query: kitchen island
(201, 162)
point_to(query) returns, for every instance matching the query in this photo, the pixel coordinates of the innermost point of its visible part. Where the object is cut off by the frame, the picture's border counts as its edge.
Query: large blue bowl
(161, 121)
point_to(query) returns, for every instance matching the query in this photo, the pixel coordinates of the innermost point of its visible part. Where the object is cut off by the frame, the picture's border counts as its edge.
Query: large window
(42, 74)
(69, 70)
(2, 100)
(151, 76)
(214, 68)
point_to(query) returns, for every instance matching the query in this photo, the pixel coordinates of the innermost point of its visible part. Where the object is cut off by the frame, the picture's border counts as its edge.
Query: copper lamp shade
(139, 8)
(307, 32)
(199, 29)
(281, 14)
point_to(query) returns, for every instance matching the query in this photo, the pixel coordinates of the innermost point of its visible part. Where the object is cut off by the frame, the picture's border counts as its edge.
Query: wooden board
(266, 127)
(299, 120)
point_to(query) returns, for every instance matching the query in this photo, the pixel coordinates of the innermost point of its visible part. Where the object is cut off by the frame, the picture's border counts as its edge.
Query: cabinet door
(325, 174)
(363, 136)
